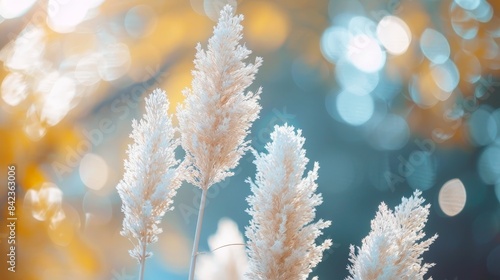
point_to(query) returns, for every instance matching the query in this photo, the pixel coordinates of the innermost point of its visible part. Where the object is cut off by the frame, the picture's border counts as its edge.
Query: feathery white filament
(394, 247)
(217, 113)
(282, 233)
(151, 179)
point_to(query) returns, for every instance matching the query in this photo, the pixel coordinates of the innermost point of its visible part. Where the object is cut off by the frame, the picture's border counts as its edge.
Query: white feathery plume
(282, 234)
(394, 247)
(151, 179)
(218, 111)
(228, 260)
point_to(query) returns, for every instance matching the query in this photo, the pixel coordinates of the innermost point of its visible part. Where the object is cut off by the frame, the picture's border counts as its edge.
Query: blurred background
(391, 95)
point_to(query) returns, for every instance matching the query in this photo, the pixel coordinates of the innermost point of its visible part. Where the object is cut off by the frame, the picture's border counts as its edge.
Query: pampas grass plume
(217, 113)
(282, 233)
(151, 178)
(394, 247)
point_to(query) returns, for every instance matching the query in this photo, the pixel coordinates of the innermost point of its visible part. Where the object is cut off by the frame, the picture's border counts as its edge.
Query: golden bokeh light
(266, 25)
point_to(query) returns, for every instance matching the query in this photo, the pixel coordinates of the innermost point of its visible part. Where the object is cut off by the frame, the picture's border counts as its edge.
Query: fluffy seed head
(151, 178)
(394, 247)
(217, 113)
(282, 234)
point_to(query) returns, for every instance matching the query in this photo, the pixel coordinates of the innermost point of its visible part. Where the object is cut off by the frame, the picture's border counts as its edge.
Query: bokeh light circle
(86, 70)
(434, 46)
(445, 75)
(44, 203)
(489, 164)
(452, 197)
(463, 22)
(14, 88)
(354, 80)
(468, 4)
(355, 109)
(482, 126)
(93, 171)
(140, 21)
(334, 43)
(365, 53)
(64, 16)
(14, 8)
(266, 25)
(423, 90)
(392, 133)
(394, 34)
(59, 98)
(212, 8)
(483, 12)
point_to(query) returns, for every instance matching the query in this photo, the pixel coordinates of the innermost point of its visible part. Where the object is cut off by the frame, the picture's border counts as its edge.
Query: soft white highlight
(217, 113)
(151, 179)
(225, 263)
(394, 247)
(282, 233)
